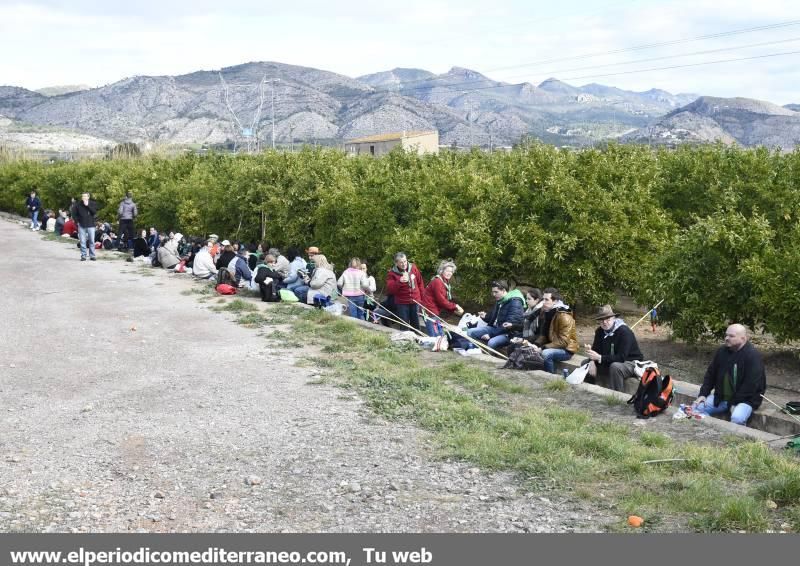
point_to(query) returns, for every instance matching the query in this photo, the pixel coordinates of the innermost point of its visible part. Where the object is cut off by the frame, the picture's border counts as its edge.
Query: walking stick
(647, 313)
(782, 409)
(456, 330)
(397, 320)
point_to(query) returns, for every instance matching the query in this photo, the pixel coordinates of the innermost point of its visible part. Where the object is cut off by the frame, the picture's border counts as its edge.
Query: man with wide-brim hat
(614, 350)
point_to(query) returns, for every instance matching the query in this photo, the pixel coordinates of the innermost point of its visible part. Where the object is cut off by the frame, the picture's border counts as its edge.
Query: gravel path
(126, 406)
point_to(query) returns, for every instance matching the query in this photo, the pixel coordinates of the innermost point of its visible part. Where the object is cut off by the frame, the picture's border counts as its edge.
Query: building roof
(392, 136)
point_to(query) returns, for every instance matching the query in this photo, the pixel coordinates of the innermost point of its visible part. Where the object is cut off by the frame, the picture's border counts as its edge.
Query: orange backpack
(653, 395)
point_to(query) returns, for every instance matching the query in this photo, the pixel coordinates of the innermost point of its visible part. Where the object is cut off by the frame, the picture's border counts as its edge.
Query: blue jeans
(301, 291)
(409, 314)
(433, 327)
(496, 339)
(739, 413)
(85, 234)
(35, 219)
(553, 355)
(355, 307)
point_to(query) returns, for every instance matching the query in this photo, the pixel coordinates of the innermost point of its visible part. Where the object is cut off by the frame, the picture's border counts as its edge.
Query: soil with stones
(127, 406)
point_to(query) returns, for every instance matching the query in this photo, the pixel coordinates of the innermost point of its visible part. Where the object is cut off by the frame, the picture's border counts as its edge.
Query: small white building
(381, 144)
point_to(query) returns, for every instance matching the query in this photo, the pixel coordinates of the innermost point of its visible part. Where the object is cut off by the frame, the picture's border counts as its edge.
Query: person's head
(269, 258)
(446, 270)
(85, 197)
(363, 267)
(128, 195)
(144, 233)
(275, 251)
(735, 337)
(533, 295)
(33, 193)
(210, 243)
(312, 251)
(153, 231)
(401, 261)
(499, 289)
(292, 252)
(355, 263)
(322, 261)
(605, 317)
(228, 248)
(550, 297)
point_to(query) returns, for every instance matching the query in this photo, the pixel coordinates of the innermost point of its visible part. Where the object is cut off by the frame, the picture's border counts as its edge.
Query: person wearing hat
(614, 350)
(213, 246)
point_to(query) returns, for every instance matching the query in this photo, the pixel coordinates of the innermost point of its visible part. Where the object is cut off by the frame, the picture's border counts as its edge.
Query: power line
(687, 65)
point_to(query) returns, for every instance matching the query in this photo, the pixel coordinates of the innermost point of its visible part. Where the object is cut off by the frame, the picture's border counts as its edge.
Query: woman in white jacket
(322, 281)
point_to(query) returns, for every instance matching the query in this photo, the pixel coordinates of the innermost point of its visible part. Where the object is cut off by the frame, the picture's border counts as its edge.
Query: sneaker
(83, 259)
(93, 258)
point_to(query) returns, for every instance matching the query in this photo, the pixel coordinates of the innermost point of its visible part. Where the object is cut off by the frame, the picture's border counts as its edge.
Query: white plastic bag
(640, 366)
(468, 319)
(578, 375)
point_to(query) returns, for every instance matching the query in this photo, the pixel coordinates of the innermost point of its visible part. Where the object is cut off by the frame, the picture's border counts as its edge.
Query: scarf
(617, 323)
(412, 282)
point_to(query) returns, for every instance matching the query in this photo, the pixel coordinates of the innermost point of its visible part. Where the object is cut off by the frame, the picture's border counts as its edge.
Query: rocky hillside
(466, 107)
(744, 121)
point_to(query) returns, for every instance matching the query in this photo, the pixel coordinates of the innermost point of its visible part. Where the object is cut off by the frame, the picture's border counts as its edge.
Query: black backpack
(226, 277)
(653, 395)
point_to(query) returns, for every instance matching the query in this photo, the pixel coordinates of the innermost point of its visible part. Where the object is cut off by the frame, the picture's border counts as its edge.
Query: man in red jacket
(404, 283)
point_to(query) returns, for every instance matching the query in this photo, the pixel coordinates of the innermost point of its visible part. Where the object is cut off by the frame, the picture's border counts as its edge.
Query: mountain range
(235, 104)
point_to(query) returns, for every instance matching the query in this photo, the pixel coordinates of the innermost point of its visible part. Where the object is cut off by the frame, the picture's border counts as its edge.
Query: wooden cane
(647, 313)
(456, 330)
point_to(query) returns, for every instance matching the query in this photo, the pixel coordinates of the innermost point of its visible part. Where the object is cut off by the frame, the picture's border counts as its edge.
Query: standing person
(84, 211)
(614, 350)
(404, 282)
(736, 376)
(353, 282)
(438, 297)
(127, 213)
(33, 204)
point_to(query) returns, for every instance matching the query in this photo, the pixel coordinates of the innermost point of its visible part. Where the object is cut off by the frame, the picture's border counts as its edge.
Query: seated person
(238, 266)
(140, 247)
(226, 256)
(504, 321)
(203, 266)
(736, 376)
(297, 264)
(557, 337)
(70, 229)
(613, 351)
(168, 254)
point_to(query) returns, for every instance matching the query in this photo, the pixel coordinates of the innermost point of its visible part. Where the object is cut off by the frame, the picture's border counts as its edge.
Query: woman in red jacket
(438, 297)
(404, 282)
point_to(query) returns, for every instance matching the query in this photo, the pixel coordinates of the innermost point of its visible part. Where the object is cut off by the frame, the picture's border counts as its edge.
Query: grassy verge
(740, 486)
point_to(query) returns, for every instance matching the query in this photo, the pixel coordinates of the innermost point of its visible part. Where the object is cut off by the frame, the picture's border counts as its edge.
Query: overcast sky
(96, 42)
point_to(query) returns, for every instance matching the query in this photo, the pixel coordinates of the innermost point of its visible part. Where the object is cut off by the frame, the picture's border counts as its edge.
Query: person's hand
(482, 314)
(699, 401)
(592, 355)
(485, 337)
(459, 311)
(507, 325)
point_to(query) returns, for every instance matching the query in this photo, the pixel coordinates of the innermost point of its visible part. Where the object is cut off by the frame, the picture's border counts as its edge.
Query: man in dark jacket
(504, 321)
(614, 350)
(34, 205)
(736, 376)
(83, 212)
(127, 213)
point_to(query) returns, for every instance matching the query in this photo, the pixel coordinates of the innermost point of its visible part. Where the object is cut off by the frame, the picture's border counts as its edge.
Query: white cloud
(88, 41)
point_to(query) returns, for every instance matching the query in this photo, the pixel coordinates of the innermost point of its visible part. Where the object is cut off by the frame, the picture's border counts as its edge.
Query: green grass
(235, 306)
(476, 416)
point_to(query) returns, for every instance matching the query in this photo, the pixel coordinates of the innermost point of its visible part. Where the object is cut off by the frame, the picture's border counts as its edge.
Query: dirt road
(127, 406)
